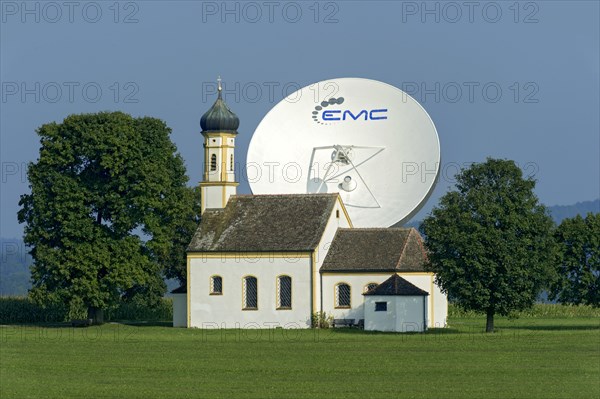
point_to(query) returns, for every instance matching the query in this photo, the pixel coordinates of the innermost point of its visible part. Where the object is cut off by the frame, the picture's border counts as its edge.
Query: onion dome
(219, 117)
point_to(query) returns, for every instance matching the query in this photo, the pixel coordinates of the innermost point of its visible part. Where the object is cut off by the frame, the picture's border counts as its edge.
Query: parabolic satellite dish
(367, 140)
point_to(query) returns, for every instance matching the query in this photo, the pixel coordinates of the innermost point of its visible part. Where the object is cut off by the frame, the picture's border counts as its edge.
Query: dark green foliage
(108, 196)
(579, 267)
(17, 310)
(490, 241)
(133, 311)
(21, 310)
(175, 265)
(539, 310)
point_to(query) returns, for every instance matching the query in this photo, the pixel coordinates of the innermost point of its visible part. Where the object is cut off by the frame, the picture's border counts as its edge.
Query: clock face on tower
(366, 140)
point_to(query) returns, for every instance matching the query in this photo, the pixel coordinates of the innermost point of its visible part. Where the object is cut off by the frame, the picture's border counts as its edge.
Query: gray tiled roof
(375, 250)
(264, 223)
(396, 285)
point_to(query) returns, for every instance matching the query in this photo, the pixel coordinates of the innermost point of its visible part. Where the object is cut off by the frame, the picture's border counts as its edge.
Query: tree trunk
(96, 315)
(489, 325)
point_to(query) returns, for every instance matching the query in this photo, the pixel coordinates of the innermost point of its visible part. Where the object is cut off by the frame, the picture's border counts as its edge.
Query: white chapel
(265, 261)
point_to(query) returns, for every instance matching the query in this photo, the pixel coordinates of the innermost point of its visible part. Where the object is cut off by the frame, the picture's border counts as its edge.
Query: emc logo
(372, 115)
(335, 115)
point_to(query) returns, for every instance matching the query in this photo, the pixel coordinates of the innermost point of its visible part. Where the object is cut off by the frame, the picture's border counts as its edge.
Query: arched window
(284, 292)
(231, 162)
(216, 285)
(342, 295)
(369, 287)
(213, 162)
(250, 293)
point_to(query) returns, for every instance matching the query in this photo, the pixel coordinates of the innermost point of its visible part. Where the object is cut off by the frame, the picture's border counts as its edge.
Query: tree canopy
(108, 212)
(490, 242)
(579, 266)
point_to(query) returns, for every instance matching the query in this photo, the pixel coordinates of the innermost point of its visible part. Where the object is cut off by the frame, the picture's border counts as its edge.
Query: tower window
(213, 162)
(231, 162)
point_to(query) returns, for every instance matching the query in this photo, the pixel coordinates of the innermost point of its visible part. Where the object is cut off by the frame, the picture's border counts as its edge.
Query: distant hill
(560, 212)
(14, 267)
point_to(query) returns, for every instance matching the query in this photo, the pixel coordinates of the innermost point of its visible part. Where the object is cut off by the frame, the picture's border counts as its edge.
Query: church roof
(219, 118)
(396, 285)
(265, 223)
(375, 250)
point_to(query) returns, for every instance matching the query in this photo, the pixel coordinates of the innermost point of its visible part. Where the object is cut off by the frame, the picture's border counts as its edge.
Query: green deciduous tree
(106, 212)
(489, 241)
(175, 264)
(579, 266)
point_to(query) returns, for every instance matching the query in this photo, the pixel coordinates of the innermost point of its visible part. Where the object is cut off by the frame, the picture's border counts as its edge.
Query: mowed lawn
(526, 358)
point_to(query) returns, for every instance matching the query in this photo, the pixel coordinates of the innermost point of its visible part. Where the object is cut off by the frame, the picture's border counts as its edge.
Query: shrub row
(16, 310)
(136, 312)
(541, 310)
(24, 310)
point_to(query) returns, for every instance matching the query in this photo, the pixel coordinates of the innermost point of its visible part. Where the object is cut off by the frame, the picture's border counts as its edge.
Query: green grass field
(526, 358)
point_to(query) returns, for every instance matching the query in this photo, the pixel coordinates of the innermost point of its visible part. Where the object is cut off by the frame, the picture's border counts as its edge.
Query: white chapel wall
(409, 313)
(225, 311)
(380, 321)
(437, 303)
(403, 314)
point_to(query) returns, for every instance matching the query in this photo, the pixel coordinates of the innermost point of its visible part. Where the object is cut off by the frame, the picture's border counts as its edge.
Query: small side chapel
(265, 261)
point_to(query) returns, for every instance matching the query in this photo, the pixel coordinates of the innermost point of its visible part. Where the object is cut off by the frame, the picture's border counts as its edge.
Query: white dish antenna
(367, 140)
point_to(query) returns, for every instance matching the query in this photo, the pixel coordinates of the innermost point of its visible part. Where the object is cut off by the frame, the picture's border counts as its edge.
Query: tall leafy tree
(579, 267)
(108, 196)
(489, 240)
(175, 264)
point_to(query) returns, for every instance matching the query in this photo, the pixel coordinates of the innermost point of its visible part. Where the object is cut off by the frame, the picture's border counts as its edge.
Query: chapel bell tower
(219, 128)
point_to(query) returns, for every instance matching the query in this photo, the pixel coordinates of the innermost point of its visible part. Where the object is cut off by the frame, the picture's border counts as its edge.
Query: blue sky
(501, 79)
